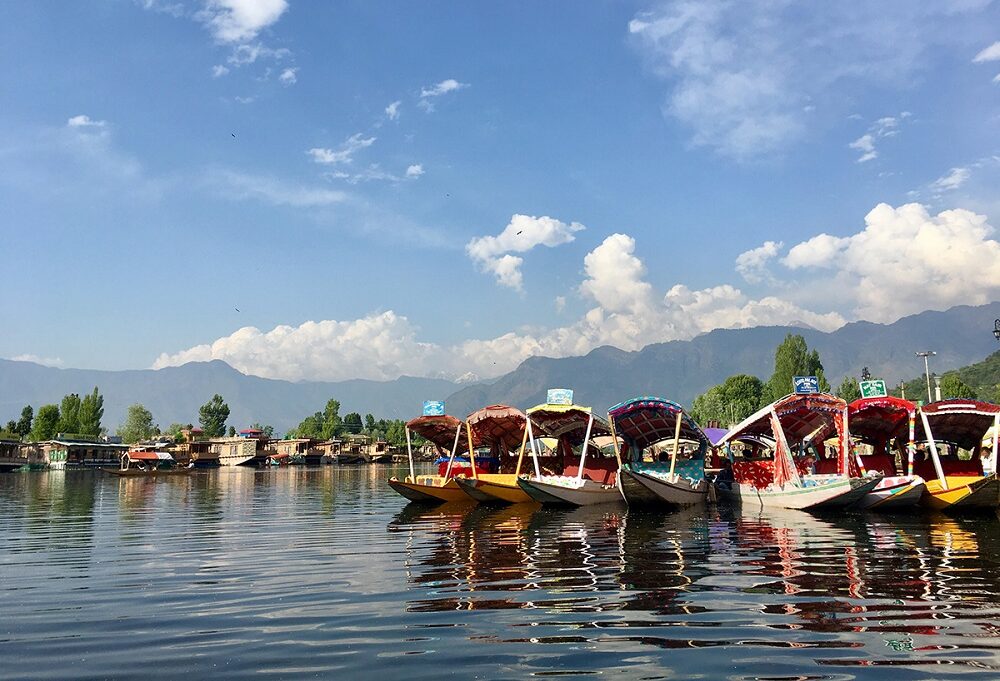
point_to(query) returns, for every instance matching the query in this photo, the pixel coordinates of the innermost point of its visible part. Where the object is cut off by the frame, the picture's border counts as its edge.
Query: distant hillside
(681, 370)
(173, 394)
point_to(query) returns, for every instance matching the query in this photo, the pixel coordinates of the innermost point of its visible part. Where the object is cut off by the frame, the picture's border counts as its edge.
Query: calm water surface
(326, 573)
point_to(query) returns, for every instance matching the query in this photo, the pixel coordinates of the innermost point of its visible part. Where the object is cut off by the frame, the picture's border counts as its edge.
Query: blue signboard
(433, 408)
(559, 396)
(805, 385)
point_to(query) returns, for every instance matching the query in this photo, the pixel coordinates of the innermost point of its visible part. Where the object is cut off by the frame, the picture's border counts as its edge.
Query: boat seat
(760, 474)
(882, 463)
(925, 469)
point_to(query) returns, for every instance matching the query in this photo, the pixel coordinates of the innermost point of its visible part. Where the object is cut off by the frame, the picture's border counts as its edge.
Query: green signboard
(873, 389)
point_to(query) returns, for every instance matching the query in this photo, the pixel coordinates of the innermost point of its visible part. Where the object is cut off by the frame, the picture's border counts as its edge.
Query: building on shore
(304, 448)
(80, 452)
(12, 455)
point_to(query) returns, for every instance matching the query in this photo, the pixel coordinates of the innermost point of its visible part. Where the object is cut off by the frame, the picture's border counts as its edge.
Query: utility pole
(927, 371)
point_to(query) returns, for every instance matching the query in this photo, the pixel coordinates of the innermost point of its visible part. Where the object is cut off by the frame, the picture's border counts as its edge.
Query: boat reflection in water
(845, 592)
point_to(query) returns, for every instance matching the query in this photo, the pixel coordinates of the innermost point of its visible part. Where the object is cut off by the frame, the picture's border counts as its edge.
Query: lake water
(327, 573)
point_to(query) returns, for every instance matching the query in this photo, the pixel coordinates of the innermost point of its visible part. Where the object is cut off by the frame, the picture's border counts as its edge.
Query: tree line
(328, 424)
(73, 416)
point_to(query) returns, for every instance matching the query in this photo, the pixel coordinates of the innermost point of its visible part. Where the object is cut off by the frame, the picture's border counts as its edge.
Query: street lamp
(927, 370)
(866, 375)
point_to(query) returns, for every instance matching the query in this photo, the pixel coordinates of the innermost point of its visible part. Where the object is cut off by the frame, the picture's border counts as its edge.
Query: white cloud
(887, 126)
(752, 264)
(991, 53)
(522, 233)
(615, 276)
(83, 121)
(392, 111)
(218, 71)
(289, 76)
(345, 154)
(241, 186)
(906, 261)
(44, 361)
(442, 88)
(250, 53)
(745, 77)
(415, 170)
(953, 180)
(560, 303)
(236, 21)
(372, 173)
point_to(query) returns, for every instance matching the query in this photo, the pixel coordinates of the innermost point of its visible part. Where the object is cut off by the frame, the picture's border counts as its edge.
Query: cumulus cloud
(428, 93)
(289, 76)
(522, 233)
(415, 170)
(83, 121)
(345, 153)
(237, 21)
(392, 111)
(752, 264)
(745, 77)
(907, 260)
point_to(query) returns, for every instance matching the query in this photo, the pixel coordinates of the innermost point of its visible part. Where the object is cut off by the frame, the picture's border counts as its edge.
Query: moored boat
(878, 422)
(445, 433)
(585, 479)
(653, 471)
(772, 478)
(955, 484)
(501, 429)
(148, 463)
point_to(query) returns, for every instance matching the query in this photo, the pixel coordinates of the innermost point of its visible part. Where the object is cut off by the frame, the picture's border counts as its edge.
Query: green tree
(69, 414)
(174, 432)
(395, 433)
(46, 423)
(138, 425)
(353, 423)
(709, 406)
(370, 424)
(741, 395)
(793, 358)
(953, 387)
(91, 412)
(11, 427)
(849, 390)
(330, 423)
(232, 431)
(212, 416)
(310, 426)
(23, 427)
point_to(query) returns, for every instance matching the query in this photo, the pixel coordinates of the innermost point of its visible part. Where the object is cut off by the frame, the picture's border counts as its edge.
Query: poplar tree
(90, 414)
(212, 416)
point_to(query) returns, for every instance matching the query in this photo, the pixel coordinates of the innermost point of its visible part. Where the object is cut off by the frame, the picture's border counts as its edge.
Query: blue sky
(366, 189)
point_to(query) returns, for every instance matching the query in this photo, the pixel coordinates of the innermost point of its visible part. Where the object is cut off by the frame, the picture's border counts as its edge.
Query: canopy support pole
(534, 450)
(454, 450)
(677, 443)
(934, 451)
(996, 437)
(472, 451)
(583, 453)
(520, 454)
(409, 455)
(911, 447)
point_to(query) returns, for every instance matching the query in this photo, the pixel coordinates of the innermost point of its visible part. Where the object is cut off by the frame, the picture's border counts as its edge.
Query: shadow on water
(301, 572)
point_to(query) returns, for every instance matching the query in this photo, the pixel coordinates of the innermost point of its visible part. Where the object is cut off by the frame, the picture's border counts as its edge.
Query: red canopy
(440, 430)
(497, 426)
(963, 422)
(143, 456)
(876, 420)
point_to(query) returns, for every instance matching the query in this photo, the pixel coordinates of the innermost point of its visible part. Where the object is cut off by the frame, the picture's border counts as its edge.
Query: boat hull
(894, 493)
(551, 493)
(429, 488)
(129, 473)
(671, 492)
(635, 493)
(494, 488)
(964, 493)
(833, 494)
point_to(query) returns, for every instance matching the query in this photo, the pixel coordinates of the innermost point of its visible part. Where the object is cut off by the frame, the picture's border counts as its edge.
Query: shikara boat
(585, 479)
(774, 480)
(878, 422)
(148, 463)
(651, 472)
(955, 484)
(445, 433)
(500, 429)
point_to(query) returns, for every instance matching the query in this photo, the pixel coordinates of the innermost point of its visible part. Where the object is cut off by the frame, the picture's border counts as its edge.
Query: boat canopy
(497, 426)
(648, 420)
(567, 421)
(877, 420)
(964, 422)
(440, 430)
(815, 417)
(149, 456)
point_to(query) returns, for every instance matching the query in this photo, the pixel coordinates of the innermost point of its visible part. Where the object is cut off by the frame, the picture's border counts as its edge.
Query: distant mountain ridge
(680, 370)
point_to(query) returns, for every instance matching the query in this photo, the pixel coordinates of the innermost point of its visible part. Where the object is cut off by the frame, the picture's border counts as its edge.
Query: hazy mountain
(174, 394)
(681, 370)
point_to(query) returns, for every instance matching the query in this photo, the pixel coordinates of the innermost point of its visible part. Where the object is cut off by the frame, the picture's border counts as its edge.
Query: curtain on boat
(784, 467)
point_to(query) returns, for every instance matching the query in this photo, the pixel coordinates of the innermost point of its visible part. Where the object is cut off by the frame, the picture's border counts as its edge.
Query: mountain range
(680, 370)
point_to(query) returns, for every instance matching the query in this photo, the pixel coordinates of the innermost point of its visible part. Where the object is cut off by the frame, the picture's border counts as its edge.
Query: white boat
(651, 428)
(585, 479)
(878, 422)
(771, 479)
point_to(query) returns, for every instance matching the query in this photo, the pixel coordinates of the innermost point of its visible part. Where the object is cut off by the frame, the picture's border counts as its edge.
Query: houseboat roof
(648, 420)
(85, 443)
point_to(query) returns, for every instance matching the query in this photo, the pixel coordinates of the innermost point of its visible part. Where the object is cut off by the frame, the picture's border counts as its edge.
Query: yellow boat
(501, 429)
(445, 432)
(955, 484)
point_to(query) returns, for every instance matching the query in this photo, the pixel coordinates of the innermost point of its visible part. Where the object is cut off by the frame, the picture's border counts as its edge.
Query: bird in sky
(233, 134)
(237, 309)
